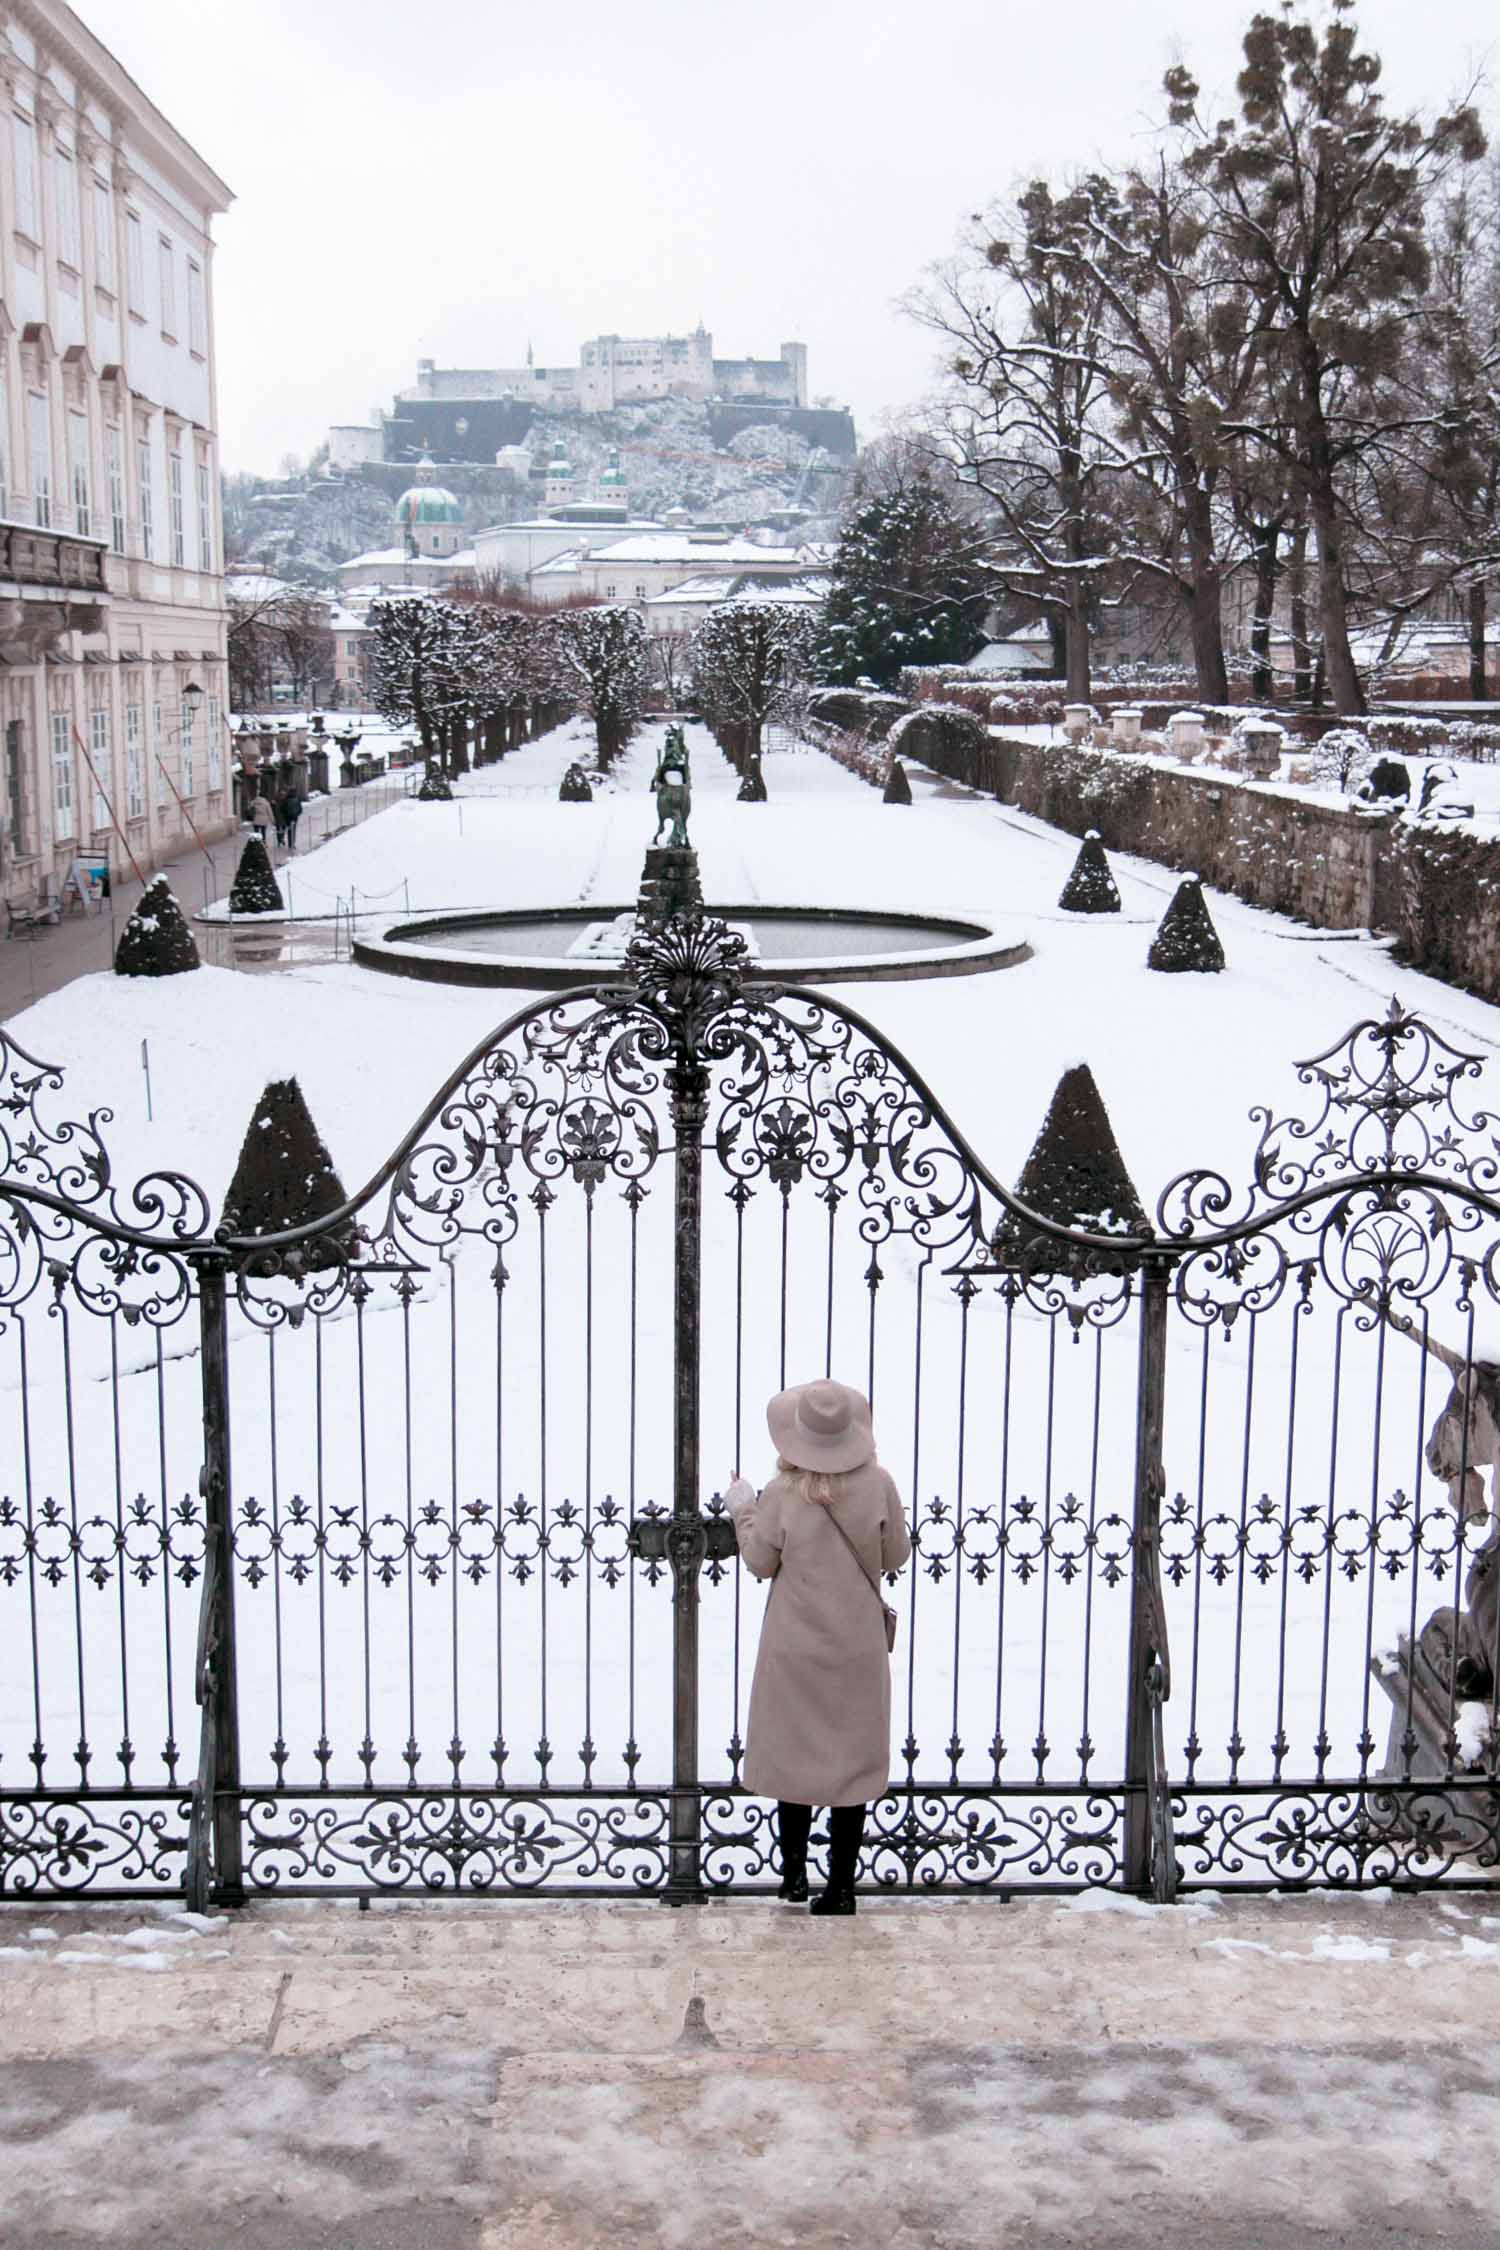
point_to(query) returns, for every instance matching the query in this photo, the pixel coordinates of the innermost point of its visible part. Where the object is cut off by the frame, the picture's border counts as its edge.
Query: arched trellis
(606, 1164)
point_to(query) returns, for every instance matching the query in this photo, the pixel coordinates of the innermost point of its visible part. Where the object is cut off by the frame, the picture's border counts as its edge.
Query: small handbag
(886, 1610)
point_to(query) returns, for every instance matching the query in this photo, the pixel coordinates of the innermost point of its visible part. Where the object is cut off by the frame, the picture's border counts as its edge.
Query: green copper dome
(428, 503)
(613, 478)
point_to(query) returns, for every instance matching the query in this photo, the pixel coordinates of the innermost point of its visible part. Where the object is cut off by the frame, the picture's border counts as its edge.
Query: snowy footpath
(939, 2076)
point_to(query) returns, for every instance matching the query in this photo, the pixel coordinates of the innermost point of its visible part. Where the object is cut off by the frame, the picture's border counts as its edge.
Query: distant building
(113, 654)
(478, 414)
(431, 552)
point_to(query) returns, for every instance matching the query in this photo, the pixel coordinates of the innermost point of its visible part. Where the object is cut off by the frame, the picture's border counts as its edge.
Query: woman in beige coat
(825, 1527)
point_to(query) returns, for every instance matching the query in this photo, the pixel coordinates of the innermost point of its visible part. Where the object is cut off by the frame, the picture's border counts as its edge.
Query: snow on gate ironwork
(394, 1558)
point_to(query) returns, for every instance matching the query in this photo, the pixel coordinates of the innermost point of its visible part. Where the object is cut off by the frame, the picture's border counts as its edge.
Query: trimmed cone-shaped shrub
(1090, 889)
(156, 941)
(574, 788)
(436, 788)
(255, 889)
(752, 790)
(1074, 1175)
(897, 790)
(1186, 937)
(285, 1176)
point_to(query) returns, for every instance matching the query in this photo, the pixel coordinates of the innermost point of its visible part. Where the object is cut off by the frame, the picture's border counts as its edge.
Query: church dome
(427, 501)
(613, 479)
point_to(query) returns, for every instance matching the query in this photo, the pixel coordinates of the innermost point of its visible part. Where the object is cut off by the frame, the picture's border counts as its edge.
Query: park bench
(23, 918)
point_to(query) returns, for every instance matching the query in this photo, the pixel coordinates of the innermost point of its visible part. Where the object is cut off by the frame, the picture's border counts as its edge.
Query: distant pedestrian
(262, 816)
(819, 1730)
(290, 812)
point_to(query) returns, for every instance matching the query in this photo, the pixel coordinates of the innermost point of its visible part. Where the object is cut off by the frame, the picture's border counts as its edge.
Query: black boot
(792, 1825)
(846, 1830)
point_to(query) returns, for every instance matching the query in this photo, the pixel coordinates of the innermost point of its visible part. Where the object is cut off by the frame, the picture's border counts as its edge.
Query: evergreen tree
(1075, 1176)
(907, 586)
(255, 889)
(285, 1176)
(574, 788)
(897, 790)
(1186, 937)
(436, 788)
(156, 941)
(1090, 889)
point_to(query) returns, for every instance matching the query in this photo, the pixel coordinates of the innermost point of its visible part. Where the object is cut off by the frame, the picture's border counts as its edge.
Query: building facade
(114, 686)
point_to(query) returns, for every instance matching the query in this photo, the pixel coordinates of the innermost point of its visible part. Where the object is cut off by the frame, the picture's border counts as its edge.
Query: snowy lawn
(372, 1450)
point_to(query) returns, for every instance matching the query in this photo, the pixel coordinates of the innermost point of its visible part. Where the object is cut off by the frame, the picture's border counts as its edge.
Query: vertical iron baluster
(831, 1196)
(455, 1740)
(499, 1278)
(324, 1751)
(633, 1197)
(82, 1754)
(169, 1747)
(1279, 1744)
(1458, 1532)
(220, 1790)
(1419, 1466)
(1148, 1682)
(1321, 1744)
(360, 1290)
(1085, 1741)
(1193, 1747)
(38, 1741)
(127, 1748)
(1008, 1290)
(689, 1109)
(910, 1749)
(1041, 1748)
(1241, 1554)
(544, 1747)
(410, 1754)
(1366, 1742)
(278, 1752)
(586, 1755)
(786, 1215)
(966, 1291)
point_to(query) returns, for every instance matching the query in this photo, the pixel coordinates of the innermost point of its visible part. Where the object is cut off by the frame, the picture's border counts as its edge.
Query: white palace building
(113, 671)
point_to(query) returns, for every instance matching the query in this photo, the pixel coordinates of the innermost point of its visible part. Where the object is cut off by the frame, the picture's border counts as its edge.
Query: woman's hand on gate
(739, 1494)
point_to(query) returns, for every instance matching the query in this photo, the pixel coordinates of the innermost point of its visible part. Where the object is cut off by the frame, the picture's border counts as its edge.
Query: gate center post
(1149, 1858)
(686, 1537)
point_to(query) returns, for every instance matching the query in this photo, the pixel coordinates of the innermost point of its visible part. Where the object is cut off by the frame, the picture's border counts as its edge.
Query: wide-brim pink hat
(822, 1426)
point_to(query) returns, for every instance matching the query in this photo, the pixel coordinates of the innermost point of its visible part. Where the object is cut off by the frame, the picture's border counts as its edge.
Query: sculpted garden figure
(674, 795)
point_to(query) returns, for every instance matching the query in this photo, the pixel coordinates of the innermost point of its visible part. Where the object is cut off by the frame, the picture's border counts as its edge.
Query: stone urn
(1077, 718)
(1125, 726)
(1185, 735)
(1262, 742)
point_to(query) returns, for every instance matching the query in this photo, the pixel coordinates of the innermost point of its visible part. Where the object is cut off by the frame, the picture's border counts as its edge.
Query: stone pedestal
(669, 883)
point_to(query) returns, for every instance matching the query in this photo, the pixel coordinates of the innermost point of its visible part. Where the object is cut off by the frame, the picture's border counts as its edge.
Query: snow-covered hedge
(866, 711)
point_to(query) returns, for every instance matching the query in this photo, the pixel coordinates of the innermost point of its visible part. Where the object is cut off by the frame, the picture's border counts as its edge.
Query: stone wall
(1339, 867)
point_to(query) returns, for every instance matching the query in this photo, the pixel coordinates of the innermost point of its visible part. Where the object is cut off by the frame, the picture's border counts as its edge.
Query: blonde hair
(823, 1486)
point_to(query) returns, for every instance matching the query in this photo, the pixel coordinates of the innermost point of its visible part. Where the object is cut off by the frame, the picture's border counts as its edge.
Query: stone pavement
(82, 943)
(940, 2075)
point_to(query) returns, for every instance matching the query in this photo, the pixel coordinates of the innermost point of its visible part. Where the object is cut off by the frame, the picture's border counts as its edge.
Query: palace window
(69, 231)
(135, 777)
(15, 804)
(188, 747)
(215, 744)
(63, 823)
(99, 759)
(115, 455)
(78, 464)
(197, 324)
(28, 202)
(143, 481)
(167, 270)
(205, 519)
(39, 432)
(175, 508)
(135, 259)
(104, 235)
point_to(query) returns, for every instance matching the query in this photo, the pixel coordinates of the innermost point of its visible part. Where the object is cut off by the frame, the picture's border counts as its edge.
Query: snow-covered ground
(355, 1521)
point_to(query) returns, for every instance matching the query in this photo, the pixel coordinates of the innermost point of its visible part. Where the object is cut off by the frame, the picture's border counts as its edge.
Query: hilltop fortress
(469, 414)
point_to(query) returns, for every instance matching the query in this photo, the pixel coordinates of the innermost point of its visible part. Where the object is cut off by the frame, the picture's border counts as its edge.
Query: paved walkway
(81, 943)
(944, 2075)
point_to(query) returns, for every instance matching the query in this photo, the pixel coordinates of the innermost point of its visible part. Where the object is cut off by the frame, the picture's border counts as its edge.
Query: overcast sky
(455, 181)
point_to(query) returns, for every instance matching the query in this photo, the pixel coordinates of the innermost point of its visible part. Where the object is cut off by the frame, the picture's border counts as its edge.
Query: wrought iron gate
(412, 1517)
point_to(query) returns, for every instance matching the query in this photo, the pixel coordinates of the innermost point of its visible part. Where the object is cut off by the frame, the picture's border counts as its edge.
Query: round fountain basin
(535, 948)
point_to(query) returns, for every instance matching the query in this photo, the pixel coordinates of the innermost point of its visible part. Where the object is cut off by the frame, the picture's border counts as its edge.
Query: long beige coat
(819, 1730)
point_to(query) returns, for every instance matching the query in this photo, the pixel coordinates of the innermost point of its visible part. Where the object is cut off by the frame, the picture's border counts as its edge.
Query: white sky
(451, 182)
